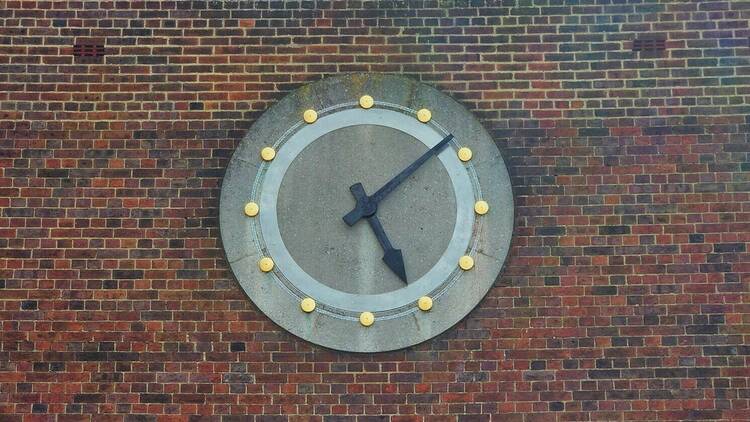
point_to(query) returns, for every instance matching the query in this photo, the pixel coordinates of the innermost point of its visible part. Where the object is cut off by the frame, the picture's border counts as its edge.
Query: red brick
(623, 298)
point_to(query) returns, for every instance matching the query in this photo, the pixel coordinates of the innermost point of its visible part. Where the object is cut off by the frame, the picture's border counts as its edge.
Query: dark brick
(715, 268)
(549, 231)
(556, 406)
(53, 172)
(155, 398)
(106, 377)
(697, 238)
(702, 329)
(570, 364)
(538, 365)
(29, 305)
(238, 378)
(729, 247)
(551, 281)
(604, 290)
(670, 372)
(651, 320)
(140, 418)
(704, 372)
(89, 398)
(127, 274)
(588, 395)
(607, 230)
(598, 250)
(622, 395)
(604, 374)
(123, 356)
(726, 350)
(91, 356)
(39, 408)
(593, 131)
(658, 395)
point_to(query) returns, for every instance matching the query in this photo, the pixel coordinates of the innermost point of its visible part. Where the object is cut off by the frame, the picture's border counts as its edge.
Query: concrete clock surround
(335, 321)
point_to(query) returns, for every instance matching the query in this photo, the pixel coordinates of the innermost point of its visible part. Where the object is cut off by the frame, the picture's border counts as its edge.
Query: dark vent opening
(88, 50)
(649, 44)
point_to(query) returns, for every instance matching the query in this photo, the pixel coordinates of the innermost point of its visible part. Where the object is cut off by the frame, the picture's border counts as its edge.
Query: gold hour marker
(466, 262)
(251, 209)
(307, 304)
(366, 318)
(465, 154)
(424, 115)
(310, 116)
(265, 264)
(366, 101)
(481, 207)
(267, 154)
(425, 303)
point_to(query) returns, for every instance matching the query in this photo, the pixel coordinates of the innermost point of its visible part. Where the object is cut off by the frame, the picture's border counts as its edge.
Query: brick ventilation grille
(642, 44)
(88, 50)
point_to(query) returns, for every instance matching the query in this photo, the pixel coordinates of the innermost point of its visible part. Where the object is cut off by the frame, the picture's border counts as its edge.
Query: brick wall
(626, 293)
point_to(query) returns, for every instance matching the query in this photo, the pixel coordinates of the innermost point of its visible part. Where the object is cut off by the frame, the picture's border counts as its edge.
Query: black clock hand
(367, 206)
(393, 258)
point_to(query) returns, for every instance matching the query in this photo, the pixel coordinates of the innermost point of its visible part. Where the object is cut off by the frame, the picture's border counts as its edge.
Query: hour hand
(392, 257)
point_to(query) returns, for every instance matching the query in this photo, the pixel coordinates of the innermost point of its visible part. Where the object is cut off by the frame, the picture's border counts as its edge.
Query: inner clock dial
(418, 216)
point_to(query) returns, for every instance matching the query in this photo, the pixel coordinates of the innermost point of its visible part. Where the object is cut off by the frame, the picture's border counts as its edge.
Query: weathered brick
(625, 284)
(155, 398)
(729, 247)
(604, 290)
(89, 398)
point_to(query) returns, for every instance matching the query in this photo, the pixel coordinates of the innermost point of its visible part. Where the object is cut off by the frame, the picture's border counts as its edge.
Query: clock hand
(393, 258)
(368, 205)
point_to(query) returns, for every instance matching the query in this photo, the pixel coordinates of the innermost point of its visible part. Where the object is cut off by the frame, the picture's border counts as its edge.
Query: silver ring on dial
(270, 181)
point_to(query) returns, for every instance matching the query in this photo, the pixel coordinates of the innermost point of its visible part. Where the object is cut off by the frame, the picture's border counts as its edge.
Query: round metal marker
(425, 303)
(366, 101)
(366, 318)
(466, 262)
(481, 207)
(424, 115)
(251, 209)
(267, 154)
(307, 304)
(265, 264)
(310, 116)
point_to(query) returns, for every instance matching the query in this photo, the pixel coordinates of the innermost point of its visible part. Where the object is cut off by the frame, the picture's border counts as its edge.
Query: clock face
(366, 212)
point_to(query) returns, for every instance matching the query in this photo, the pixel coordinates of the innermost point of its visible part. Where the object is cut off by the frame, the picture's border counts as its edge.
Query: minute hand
(356, 214)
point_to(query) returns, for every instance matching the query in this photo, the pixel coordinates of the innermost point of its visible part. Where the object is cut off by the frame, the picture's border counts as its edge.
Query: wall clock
(366, 212)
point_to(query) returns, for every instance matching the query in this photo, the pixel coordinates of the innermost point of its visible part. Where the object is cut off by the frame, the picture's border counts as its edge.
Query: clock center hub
(368, 207)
